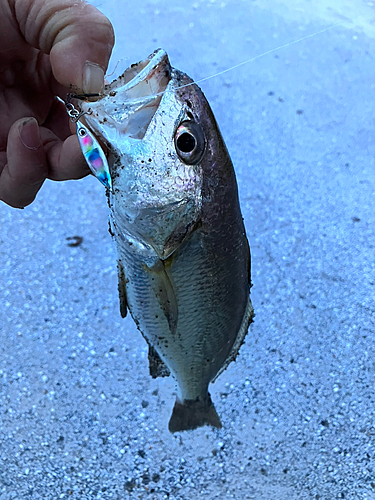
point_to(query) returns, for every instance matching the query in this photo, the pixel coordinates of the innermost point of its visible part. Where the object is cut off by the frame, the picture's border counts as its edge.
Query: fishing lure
(90, 147)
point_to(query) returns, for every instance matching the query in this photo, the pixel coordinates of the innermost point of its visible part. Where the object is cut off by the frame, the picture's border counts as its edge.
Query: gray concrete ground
(80, 417)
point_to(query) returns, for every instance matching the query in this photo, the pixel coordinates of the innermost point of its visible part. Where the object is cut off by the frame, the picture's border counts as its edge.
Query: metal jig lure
(90, 147)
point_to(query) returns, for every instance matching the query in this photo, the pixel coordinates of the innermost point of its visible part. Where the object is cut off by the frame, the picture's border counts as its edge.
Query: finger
(23, 175)
(3, 162)
(77, 36)
(58, 120)
(64, 158)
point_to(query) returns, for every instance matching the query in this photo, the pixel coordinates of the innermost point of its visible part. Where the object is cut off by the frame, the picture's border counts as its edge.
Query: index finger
(78, 38)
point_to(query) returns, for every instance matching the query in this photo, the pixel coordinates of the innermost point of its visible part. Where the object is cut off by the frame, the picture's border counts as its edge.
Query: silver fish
(184, 259)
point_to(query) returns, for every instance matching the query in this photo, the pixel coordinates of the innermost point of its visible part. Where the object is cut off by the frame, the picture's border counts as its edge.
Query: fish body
(184, 259)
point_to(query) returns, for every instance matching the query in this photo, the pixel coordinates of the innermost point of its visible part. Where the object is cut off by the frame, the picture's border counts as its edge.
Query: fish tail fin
(190, 414)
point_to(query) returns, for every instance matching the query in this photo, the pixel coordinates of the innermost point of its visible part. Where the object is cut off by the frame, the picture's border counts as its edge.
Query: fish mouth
(130, 102)
(145, 78)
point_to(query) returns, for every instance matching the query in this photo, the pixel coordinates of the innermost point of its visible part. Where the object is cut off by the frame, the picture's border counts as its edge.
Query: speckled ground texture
(80, 418)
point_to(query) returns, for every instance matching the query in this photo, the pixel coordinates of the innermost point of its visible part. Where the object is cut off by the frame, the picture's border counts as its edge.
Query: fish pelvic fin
(157, 367)
(191, 414)
(122, 289)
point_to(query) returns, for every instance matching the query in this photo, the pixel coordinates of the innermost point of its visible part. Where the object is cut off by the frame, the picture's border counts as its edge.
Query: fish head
(155, 124)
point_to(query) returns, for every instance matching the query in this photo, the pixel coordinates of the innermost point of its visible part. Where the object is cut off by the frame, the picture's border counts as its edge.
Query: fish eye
(82, 132)
(186, 142)
(189, 142)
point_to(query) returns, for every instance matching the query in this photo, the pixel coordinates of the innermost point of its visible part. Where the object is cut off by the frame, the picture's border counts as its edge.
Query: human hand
(48, 48)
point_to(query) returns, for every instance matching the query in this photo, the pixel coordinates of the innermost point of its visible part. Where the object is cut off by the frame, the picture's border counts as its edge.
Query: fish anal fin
(122, 289)
(191, 414)
(156, 365)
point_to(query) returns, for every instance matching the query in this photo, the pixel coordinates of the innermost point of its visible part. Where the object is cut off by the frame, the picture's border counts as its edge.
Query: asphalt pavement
(80, 418)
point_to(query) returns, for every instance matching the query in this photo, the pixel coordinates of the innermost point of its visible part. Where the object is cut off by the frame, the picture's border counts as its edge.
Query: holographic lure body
(90, 147)
(94, 155)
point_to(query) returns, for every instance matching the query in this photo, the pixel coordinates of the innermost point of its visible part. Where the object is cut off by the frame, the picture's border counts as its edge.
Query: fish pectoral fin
(179, 236)
(164, 292)
(191, 414)
(122, 289)
(157, 367)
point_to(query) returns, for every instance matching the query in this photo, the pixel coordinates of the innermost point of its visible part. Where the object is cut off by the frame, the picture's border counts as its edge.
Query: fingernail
(29, 133)
(93, 78)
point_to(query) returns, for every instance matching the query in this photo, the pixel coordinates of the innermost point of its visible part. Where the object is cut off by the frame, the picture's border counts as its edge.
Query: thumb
(23, 175)
(78, 38)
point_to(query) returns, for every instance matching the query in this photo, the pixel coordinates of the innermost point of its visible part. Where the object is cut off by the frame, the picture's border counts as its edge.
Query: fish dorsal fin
(248, 256)
(247, 319)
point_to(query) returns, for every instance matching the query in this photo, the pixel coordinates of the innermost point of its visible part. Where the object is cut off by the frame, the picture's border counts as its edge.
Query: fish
(184, 265)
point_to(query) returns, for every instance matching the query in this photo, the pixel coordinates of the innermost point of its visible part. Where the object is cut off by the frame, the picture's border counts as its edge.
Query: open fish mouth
(130, 102)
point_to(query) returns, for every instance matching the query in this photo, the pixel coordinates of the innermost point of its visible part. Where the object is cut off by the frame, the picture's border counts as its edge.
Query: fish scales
(183, 253)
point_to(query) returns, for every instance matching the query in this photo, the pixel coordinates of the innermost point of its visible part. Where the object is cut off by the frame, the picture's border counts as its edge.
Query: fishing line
(254, 58)
(258, 56)
(118, 62)
(219, 73)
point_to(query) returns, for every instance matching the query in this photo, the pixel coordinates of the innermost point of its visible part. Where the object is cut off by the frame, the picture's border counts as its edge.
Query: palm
(25, 91)
(44, 47)
(28, 88)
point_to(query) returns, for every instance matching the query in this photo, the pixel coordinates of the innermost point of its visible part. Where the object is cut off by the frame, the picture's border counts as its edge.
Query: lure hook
(74, 113)
(90, 147)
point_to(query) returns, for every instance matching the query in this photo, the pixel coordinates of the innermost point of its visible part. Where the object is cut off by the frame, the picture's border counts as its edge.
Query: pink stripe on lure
(94, 155)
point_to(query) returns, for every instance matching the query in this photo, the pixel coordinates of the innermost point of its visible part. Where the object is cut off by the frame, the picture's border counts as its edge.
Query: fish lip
(130, 102)
(142, 71)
